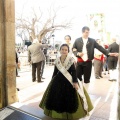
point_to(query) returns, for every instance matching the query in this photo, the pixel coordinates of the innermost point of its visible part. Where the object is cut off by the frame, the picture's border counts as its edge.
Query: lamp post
(53, 36)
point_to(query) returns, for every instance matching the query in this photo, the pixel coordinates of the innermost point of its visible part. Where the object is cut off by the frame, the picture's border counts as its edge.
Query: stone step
(11, 113)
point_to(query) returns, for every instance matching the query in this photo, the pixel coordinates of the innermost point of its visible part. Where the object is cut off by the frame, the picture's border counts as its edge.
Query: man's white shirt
(85, 56)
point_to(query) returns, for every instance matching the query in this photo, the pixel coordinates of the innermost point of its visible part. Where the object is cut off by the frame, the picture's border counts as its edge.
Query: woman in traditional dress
(64, 97)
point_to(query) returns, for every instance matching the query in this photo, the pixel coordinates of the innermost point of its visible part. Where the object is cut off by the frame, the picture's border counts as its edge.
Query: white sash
(63, 69)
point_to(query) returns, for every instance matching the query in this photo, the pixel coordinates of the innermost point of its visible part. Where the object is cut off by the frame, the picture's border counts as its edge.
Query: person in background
(44, 50)
(105, 65)
(35, 57)
(67, 39)
(112, 60)
(68, 42)
(98, 62)
(17, 65)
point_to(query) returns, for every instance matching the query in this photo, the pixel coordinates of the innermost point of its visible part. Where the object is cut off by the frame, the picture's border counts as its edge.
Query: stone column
(1, 55)
(7, 53)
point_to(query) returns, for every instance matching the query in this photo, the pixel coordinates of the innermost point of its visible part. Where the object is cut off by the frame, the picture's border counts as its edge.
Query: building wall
(7, 53)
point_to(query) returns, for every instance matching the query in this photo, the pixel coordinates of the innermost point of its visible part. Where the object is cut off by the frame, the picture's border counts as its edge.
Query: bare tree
(39, 28)
(21, 34)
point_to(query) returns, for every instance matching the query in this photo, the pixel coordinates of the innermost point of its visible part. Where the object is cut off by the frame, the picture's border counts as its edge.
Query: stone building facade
(8, 93)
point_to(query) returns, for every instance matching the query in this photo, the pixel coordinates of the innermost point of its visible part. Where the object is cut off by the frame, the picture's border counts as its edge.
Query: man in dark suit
(112, 60)
(83, 49)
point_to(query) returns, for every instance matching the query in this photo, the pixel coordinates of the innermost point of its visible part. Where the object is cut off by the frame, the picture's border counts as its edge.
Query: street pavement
(102, 93)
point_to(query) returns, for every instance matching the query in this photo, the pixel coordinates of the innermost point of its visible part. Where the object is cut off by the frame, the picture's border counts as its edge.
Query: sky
(76, 9)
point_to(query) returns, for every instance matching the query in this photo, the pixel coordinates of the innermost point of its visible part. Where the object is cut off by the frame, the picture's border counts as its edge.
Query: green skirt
(80, 113)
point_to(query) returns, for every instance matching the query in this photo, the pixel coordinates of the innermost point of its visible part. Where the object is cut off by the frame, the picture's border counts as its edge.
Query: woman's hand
(75, 85)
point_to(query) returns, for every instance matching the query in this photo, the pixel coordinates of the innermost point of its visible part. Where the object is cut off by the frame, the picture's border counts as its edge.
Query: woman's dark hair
(68, 36)
(65, 45)
(85, 28)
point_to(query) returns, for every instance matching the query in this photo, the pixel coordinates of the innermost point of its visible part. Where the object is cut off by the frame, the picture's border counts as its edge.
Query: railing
(49, 59)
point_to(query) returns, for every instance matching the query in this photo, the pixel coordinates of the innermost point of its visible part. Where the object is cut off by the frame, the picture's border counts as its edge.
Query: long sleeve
(44, 46)
(55, 71)
(73, 73)
(97, 52)
(29, 56)
(101, 49)
(74, 49)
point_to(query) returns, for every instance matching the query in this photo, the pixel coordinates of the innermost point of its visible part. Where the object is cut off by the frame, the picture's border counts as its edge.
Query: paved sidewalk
(101, 92)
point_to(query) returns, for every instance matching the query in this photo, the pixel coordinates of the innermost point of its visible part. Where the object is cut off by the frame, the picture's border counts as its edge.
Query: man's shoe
(17, 76)
(97, 77)
(34, 80)
(18, 89)
(40, 81)
(110, 80)
(43, 78)
(101, 76)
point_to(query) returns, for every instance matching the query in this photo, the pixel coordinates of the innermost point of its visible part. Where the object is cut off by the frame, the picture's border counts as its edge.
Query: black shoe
(40, 81)
(110, 80)
(18, 89)
(101, 76)
(43, 78)
(97, 77)
(17, 76)
(34, 80)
